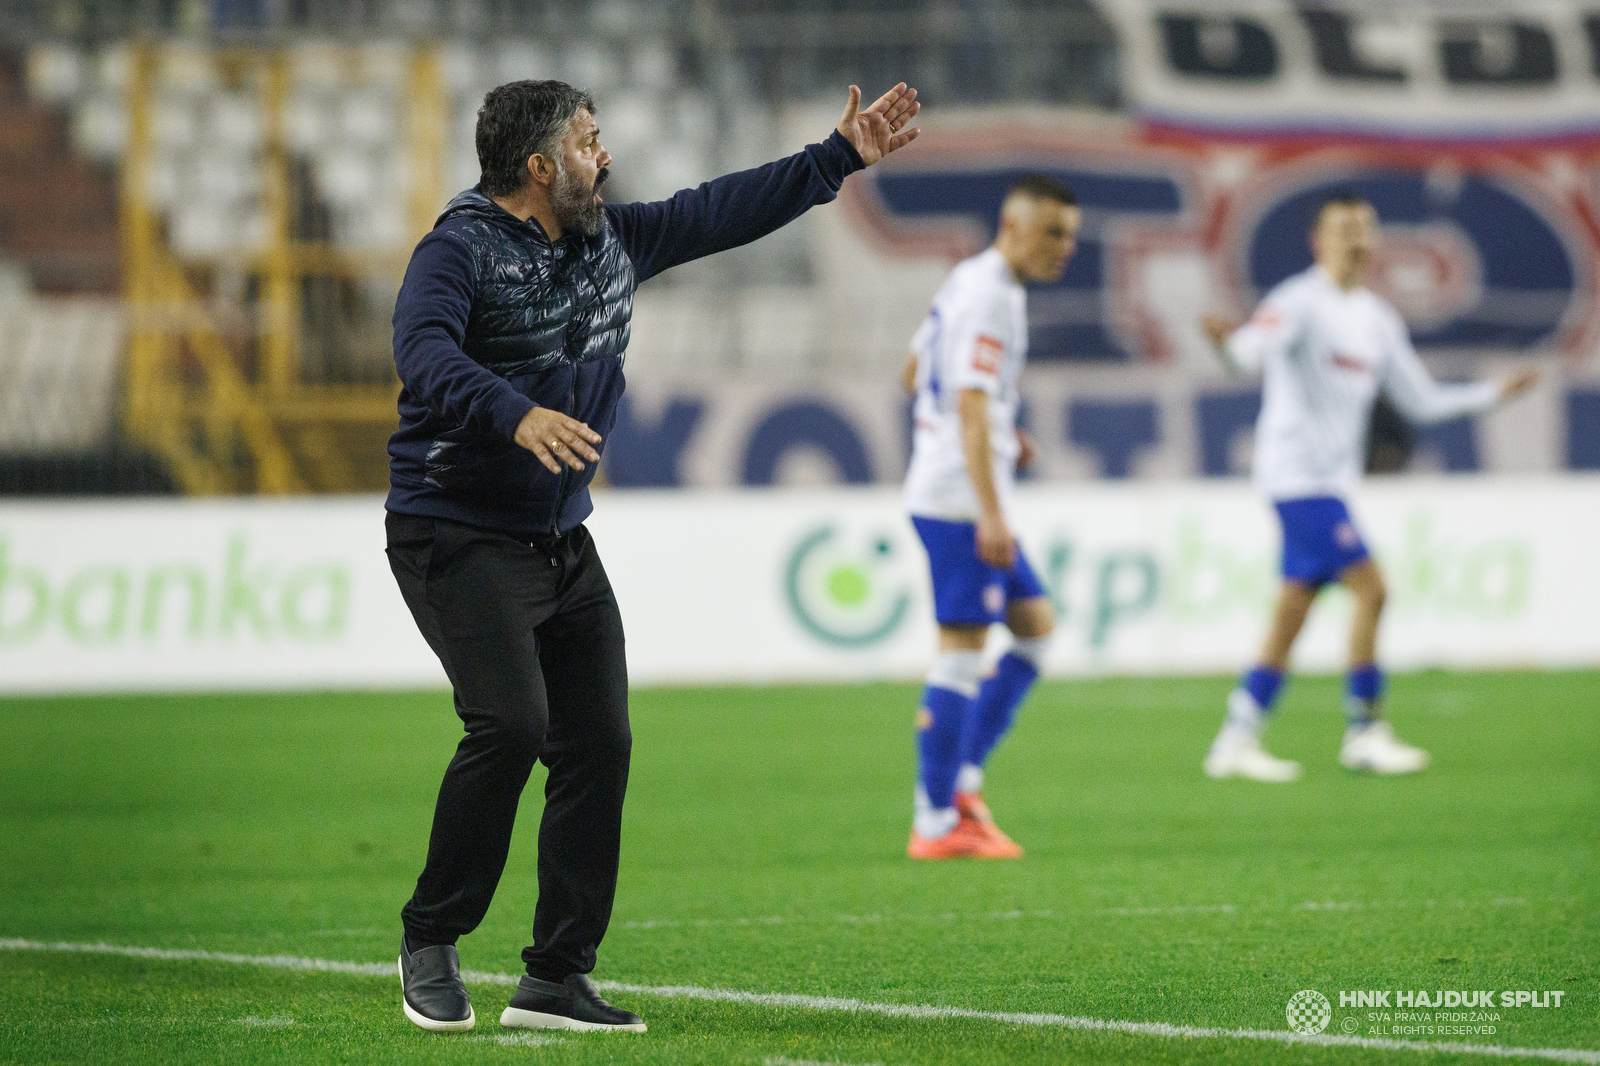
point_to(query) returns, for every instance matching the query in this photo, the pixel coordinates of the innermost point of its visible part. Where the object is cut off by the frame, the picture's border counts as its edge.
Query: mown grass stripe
(795, 1001)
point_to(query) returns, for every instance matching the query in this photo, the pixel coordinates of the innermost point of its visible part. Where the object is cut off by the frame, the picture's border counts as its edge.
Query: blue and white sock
(952, 685)
(996, 707)
(1363, 690)
(931, 823)
(1251, 703)
(969, 778)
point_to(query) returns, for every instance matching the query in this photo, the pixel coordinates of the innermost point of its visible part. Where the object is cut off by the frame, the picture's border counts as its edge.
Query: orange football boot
(973, 809)
(968, 840)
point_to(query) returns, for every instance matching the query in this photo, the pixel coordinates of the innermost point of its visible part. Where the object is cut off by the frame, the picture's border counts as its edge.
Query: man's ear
(540, 170)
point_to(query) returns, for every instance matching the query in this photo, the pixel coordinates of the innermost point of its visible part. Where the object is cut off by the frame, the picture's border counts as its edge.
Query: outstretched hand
(881, 128)
(1217, 329)
(1519, 382)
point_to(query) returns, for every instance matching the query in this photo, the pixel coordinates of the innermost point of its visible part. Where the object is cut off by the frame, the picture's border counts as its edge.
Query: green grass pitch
(764, 852)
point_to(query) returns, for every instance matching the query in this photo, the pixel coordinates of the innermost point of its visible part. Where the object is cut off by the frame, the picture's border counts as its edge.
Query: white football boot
(1237, 752)
(1374, 747)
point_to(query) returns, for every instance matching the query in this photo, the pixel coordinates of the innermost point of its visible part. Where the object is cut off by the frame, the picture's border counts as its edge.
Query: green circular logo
(848, 586)
(845, 594)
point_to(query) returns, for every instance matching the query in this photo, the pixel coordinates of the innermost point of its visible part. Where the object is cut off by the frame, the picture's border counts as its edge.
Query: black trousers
(531, 639)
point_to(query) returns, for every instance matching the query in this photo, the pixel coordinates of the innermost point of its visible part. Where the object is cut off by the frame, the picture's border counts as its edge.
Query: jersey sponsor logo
(986, 354)
(1351, 363)
(1485, 245)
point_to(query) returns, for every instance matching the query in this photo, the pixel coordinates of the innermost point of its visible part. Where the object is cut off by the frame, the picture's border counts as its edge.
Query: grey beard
(575, 206)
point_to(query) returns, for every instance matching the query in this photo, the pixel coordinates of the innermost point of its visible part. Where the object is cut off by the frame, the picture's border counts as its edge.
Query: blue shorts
(1319, 540)
(966, 590)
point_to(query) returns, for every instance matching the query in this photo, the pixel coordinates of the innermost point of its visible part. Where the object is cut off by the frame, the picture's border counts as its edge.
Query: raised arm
(1421, 399)
(739, 208)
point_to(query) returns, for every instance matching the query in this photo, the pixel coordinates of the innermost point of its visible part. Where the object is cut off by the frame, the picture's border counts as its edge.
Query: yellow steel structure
(232, 420)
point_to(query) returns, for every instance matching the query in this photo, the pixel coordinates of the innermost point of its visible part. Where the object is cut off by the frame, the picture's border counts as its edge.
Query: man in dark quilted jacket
(509, 335)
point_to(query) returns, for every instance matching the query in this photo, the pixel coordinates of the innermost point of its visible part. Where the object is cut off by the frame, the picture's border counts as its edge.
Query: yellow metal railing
(242, 418)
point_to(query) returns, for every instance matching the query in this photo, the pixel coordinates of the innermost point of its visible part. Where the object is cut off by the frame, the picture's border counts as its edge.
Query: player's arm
(1245, 349)
(1421, 399)
(994, 539)
(921, 341)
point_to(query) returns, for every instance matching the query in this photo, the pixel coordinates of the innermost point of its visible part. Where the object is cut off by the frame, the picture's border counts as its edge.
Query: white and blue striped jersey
(975, 337)
(1325, 353)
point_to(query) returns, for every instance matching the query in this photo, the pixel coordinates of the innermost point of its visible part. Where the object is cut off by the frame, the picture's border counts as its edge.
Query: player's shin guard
(952, 684)
(995, 708)
(1363, 690)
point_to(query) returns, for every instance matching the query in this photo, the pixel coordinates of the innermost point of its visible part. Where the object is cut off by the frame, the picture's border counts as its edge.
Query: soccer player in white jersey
(964, 367)
(1326, 346)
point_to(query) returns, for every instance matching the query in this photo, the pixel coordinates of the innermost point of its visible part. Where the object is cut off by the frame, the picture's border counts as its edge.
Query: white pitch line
(516, 1039)
(836, 1003)
(1175, 911)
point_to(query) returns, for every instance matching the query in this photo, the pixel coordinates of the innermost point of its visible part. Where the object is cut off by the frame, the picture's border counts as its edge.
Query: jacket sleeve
(732, 210)
(1418, 396)
(430, 323)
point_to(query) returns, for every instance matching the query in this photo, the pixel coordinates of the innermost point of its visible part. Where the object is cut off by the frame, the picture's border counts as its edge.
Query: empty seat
(223, 175)
(100, 127)
(653, 66)
(234, 119)
(590, 66)
(367, 117)
(56, 73)
(307, 122)
(174, 124)
(345, 176)
(519, 60)
(186, 69)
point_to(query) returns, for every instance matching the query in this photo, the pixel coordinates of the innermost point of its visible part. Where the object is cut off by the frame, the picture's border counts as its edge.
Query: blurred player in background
(1327, 345)
(964, 367)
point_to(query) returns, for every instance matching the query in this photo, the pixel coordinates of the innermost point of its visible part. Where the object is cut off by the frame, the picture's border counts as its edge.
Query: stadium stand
(275, 162)
(61, 325)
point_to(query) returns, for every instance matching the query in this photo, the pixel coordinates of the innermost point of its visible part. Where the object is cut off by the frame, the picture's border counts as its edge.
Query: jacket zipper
(561, 486)
(572, 400)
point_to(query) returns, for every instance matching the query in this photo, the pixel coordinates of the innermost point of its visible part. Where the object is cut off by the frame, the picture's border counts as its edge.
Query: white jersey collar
(996, 262)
